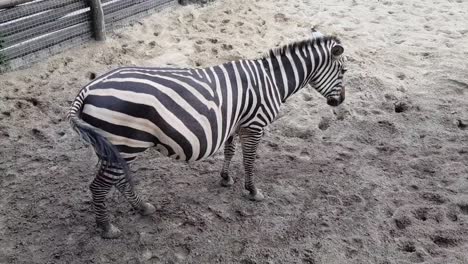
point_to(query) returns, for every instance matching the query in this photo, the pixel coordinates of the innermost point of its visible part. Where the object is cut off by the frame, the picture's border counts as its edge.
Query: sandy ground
(382, 179)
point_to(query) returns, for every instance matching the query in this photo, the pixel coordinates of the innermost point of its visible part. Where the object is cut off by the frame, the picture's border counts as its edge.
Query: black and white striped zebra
(189, 114)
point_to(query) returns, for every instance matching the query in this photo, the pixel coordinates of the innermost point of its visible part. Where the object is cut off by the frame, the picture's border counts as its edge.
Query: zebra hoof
(109, 231)
(147, 209)
(256, 197)
(227, 182)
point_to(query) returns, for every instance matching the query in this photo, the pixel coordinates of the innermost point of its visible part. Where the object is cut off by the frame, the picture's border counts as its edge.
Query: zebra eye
(344, 70)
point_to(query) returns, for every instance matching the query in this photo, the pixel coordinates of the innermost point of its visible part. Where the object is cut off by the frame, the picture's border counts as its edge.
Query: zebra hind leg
(249, 140)
(133, 198)
(229, 149)
(100, 187)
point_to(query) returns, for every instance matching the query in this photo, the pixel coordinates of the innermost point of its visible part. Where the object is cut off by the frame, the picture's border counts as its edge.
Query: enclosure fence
(33, 29)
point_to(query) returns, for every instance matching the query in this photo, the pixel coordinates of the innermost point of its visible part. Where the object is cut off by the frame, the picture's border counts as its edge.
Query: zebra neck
(289, 72)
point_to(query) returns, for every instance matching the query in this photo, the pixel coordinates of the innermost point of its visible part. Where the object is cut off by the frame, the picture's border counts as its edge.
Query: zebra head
(328, 76)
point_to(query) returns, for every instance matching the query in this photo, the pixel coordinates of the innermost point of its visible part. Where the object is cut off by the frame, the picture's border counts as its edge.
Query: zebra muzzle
(337, 99)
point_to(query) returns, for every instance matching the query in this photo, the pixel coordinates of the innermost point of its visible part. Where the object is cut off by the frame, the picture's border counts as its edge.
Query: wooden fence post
(99, 25)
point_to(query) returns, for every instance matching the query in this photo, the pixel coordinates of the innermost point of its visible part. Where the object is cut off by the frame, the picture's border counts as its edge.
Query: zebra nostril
(336, 100)
(333, 101)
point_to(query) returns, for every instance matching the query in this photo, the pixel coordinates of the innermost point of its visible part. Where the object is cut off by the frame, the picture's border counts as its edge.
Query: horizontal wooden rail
(136, 9)
(31, 9)
(42, 18)
(47, 41)
(32, 30)
(119, 5)
(12, 3)
(45, 28)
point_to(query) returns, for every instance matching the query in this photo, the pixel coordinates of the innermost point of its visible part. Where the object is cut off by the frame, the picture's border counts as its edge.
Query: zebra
(191, 113)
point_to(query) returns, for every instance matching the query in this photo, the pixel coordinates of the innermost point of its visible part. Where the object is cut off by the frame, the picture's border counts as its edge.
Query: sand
(382, 179)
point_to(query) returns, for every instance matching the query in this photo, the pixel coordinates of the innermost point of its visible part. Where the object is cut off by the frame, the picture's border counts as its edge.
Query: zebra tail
(107, 153)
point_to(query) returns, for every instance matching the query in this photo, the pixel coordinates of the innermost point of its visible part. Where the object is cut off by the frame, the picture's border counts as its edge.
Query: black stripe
(140, 111)
(261, 117)
(224, 110)
(129, 150)
(132, 109)
(123, 131)
(233, 81)
(288, 68)
(278, 77)
(179, 89)
(300, 70)
(315, 54)
(192, 123)
(251, 105)
(113, 172)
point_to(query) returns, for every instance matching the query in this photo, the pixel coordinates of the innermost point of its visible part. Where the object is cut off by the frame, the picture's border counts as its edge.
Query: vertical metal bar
(97, 14)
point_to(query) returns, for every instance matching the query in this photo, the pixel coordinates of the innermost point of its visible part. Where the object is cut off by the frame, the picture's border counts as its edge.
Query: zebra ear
(316, 34)
(337, 50)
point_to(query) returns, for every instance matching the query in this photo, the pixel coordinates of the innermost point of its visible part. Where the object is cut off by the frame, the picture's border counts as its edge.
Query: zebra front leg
(134, 199)
(100, 187)
(229, 149)
(249, 140)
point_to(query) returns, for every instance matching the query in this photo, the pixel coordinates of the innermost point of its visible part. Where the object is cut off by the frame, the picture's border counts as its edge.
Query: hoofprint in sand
(382, 179)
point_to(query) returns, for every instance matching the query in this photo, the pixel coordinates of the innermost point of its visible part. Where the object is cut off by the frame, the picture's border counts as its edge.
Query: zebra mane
(300, 44)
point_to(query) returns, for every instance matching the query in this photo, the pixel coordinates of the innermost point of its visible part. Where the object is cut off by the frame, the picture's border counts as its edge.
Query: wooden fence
(48, 26)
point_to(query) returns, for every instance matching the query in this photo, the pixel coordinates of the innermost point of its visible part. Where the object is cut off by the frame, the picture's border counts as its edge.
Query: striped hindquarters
(179, 111)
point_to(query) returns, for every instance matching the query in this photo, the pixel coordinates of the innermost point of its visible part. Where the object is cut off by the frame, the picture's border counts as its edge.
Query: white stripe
(167, 115)
(180, 126)
(304, 67)
(184, 84)
(271, 90)
(252, 74)
(128, 155)
(156, 70)
(219, 140)
(207, 75)
(263, 98)
(198, 72)
(272, 71)
(293, 65)
(118, 140)
(203, 84)
(141, 124)
(239, 96)
(249, 88)
(228, 103)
